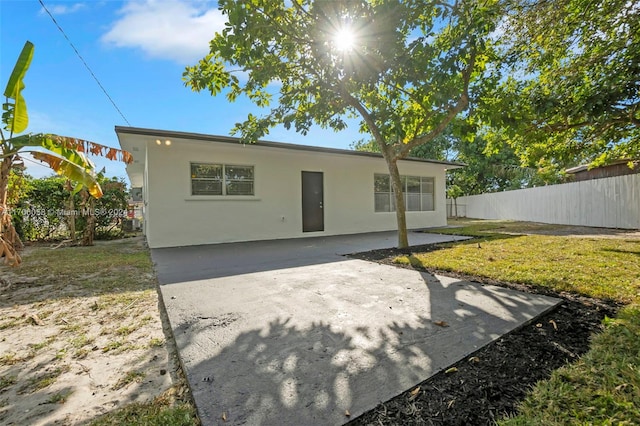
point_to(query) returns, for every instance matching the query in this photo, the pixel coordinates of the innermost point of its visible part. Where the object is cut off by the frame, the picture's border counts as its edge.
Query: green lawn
(603, 387)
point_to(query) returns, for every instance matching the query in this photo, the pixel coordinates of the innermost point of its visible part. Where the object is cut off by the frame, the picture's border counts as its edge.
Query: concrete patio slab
(291, 332)
(179, 264)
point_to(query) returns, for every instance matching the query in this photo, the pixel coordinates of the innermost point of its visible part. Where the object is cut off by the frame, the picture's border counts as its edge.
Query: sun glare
(344, 40)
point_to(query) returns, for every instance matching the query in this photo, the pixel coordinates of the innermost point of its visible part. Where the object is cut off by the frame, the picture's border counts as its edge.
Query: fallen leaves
(35, 319)
(414, 393)
(552, 322)
(441, 323)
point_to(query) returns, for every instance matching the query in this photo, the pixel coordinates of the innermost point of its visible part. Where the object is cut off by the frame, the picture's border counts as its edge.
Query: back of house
(204, 189)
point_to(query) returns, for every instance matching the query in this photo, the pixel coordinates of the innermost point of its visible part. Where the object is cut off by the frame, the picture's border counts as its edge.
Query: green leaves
(15, 116)
(401, 73)
(71, 171)
(406, 76)
(65, 155)
(62, 156)
(578, 79)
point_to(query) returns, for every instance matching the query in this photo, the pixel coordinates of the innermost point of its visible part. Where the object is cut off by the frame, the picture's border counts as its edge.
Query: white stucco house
(204, 189)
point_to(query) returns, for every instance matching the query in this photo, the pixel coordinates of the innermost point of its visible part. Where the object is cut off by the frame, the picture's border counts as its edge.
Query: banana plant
(65, 155)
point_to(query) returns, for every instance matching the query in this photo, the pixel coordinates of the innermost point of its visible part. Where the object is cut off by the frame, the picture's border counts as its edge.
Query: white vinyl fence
(610, 203)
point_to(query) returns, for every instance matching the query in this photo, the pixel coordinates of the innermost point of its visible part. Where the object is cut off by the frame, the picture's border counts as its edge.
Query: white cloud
(64, 9)
(179, 30)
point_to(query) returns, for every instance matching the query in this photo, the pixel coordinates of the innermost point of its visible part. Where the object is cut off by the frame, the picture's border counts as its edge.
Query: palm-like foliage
(65, 155)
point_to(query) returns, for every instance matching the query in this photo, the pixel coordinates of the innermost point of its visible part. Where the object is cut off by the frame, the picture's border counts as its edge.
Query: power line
(85, 63)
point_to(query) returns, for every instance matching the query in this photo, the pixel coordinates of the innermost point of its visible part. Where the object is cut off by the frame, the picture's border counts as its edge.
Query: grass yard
(82, 341)
(603, 387)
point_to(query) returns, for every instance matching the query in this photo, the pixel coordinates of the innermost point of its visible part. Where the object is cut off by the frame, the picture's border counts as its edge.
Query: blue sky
(138, 50)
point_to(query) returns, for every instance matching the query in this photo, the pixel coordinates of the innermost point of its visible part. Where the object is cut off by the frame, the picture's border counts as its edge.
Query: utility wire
(85, 63)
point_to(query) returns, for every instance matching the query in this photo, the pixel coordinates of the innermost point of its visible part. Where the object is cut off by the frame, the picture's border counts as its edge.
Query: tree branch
(366, 116)
(461, 105)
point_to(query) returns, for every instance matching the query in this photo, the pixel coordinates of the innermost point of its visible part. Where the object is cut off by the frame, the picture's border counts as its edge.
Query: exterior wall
(175, 218)
(610, 203)
(145, 194)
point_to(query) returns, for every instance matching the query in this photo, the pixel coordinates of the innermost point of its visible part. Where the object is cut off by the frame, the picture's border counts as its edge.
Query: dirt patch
(489, 384)
(81, 341)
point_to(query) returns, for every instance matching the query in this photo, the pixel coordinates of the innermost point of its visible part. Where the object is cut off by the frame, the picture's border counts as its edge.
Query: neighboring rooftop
(616, 168)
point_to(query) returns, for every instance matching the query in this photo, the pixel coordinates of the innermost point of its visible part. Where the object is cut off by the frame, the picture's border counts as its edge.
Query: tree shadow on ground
(331, 370)
(193, 263)
(382, 254)
(622, 251)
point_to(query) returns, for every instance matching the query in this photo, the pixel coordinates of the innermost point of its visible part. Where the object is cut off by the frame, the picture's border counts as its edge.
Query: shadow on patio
(270, 365)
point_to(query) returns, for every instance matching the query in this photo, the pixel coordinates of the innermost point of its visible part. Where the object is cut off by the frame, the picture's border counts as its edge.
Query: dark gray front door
(312, 202)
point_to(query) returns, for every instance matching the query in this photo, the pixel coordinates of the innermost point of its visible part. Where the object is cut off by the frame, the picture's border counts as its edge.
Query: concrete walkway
(291, 332)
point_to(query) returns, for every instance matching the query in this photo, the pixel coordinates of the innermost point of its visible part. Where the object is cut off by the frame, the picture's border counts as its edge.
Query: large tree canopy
(574, 89)
(405, 68)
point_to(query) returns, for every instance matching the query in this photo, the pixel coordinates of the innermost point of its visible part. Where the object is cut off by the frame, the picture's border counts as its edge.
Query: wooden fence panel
(610, 202)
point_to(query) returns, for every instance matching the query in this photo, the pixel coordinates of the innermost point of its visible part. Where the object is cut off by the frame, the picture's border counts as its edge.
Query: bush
(45, 209)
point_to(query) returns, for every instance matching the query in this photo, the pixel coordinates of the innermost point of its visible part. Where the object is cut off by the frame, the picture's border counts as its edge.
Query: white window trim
(224, 196)
(392, 197)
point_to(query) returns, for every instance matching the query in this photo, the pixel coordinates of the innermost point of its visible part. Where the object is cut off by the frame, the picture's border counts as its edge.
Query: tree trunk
(5, 169)
(9, 240)
(455, 206)
(90, 229)
(396, 186)
(401, 218)
(71, 216)
(71, 219)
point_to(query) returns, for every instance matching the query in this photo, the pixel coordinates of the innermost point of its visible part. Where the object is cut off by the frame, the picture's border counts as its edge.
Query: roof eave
(281, 145)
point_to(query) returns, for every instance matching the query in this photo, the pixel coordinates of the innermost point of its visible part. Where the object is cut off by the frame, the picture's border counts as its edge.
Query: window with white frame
(221, 179)
(418, 193)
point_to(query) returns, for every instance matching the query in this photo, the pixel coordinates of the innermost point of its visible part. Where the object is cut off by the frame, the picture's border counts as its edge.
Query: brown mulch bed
(489, 384)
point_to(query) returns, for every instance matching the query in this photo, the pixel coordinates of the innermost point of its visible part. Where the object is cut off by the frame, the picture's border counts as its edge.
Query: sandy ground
(71, 351)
